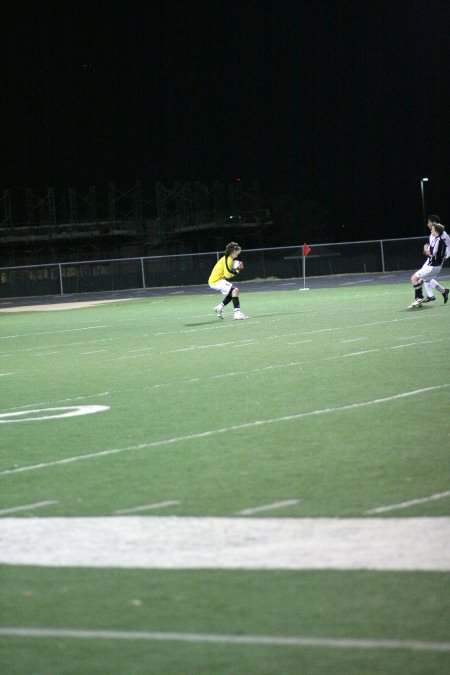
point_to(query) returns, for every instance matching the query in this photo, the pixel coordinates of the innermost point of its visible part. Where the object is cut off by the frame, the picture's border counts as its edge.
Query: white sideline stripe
(412, 502)
(214, 432)
(27, 507)
(253, 543)
(159, 505)
(268, 507)
(272, 640)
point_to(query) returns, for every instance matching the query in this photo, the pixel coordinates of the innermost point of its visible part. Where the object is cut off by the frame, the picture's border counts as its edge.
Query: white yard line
(268, 507)
(360, 281)
(354, 339)
(147, 507)
(142, 349)
(241, 372)
(217, 344)
(57, 413)
(414, 344)
(221, 375)
(60, 400)
(300, 342)
(51, 332)
(218, 325)
(343, 356)
(171, 542)
(27, 507)
(279, 365)
(214, 638)
(135, 356)
(215, 432)
(412, 502)
(221, 326)
(65, 345)
(385, 349)
(175, 383)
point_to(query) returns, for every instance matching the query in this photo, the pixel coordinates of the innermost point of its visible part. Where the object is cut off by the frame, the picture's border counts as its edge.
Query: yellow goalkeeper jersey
(220, 271)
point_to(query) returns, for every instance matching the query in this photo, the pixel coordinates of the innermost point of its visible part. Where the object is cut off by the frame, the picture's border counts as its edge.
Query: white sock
(428, 291)
(435, 284)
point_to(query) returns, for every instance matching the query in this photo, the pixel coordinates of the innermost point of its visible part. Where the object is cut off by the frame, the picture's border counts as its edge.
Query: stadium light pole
(422, 192)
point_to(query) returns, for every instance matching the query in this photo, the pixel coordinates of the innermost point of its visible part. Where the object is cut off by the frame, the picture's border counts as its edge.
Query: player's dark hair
(232, 246)
(434, 218)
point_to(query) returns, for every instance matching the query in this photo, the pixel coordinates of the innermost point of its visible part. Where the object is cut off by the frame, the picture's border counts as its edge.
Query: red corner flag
(306, 249)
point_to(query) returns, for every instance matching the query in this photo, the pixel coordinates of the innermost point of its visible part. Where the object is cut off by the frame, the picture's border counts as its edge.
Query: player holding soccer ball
(219, 280)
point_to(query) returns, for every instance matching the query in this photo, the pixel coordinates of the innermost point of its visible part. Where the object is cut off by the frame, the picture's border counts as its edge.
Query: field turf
(329, 403)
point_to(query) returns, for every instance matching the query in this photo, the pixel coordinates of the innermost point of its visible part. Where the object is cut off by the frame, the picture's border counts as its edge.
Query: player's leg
(226, 288)
(429, 291)
(417, 281)
(237, 305)
(441, 289)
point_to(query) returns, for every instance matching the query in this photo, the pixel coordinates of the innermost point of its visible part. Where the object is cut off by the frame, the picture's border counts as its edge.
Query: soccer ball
(238, 265)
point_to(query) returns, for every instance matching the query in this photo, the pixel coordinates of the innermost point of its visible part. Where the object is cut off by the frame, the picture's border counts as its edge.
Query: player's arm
(232, 267)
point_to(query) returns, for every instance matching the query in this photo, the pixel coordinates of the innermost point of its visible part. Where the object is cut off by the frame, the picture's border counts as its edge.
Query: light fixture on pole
(422, 192)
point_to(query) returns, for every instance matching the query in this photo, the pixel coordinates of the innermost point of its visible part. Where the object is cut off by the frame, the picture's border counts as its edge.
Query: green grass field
(330, 403)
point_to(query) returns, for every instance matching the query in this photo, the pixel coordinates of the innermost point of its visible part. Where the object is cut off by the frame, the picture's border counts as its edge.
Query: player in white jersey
(432, 284)
(435, 252)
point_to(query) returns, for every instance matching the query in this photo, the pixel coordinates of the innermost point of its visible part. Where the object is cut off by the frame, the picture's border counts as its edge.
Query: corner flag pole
(305, 252)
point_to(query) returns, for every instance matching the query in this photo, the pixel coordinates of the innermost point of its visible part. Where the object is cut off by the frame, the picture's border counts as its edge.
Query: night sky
(338, 104)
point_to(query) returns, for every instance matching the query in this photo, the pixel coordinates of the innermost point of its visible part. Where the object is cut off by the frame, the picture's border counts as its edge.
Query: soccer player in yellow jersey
(220, 280)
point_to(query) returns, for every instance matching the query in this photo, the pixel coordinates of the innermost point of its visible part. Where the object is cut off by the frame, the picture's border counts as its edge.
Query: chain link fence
(361, 257)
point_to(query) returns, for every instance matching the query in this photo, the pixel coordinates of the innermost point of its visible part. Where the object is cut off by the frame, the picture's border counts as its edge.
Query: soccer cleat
(218, 311)
(431, 298)
(445, 296)
(417, 303)
(240, 315)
